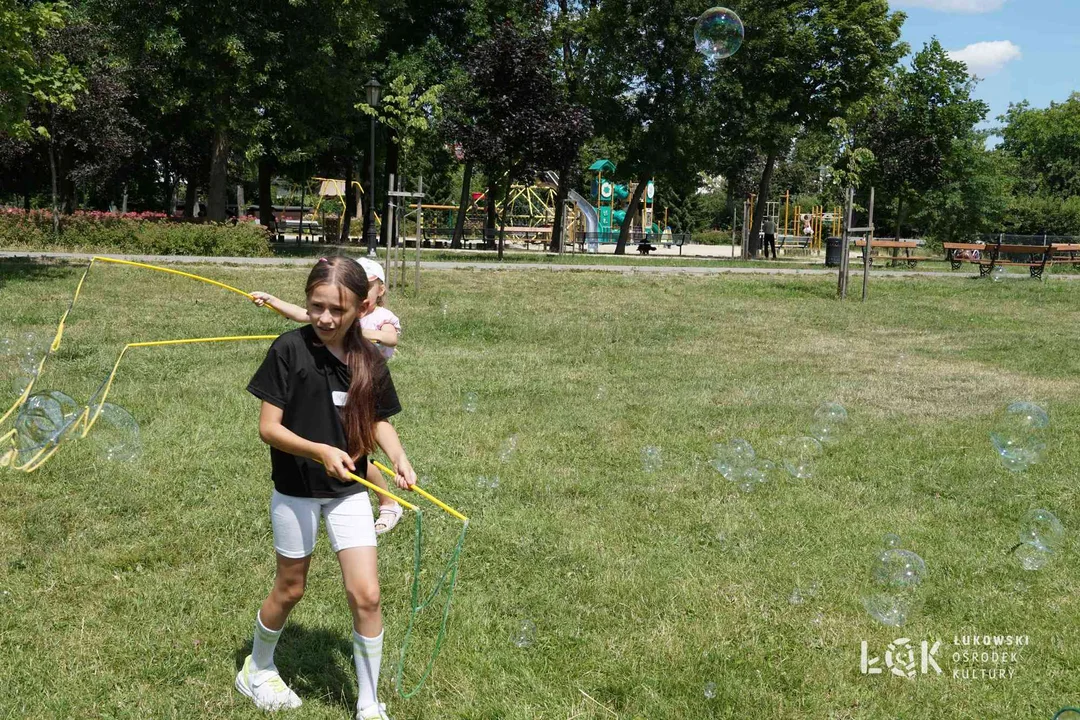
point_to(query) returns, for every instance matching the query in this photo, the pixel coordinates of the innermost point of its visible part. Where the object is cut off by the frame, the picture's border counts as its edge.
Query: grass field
(129, 590)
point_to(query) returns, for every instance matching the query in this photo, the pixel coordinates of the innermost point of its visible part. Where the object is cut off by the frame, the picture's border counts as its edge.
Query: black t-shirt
(305, 380)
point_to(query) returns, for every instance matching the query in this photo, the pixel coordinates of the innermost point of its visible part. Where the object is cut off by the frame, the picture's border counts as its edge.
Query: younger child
(326, 395)
(381, 327)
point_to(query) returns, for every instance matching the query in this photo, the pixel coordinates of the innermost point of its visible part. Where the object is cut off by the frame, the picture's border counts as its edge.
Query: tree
(510, 116)
(804, 63)
(925, 114)
(1045, 145)
(27, 75)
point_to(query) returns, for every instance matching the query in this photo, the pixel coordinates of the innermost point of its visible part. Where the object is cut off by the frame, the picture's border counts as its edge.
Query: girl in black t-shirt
(326, 396)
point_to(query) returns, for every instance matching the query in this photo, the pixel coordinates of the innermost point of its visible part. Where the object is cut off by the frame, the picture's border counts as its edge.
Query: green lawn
(129, 591)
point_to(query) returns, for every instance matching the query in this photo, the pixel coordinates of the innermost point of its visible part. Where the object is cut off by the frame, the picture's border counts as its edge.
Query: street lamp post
(373, 96)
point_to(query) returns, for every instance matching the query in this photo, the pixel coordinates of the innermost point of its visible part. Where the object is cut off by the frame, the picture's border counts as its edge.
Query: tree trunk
(762, 203)
(219, 169)
(463, 205)
(489, 222)
(392, 160)
(350, 201)
(266, 195)
(561, 193)
(167, 186)
(55, 196)
(631, 211)
(506, 210)
(190, 196)
(899, 213)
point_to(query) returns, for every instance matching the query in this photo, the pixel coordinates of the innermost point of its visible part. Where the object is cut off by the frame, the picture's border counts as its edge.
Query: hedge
(134, 233)
(712, 237)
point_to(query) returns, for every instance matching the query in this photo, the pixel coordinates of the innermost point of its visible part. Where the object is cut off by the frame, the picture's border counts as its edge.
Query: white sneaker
(266, 688)
(375, 712)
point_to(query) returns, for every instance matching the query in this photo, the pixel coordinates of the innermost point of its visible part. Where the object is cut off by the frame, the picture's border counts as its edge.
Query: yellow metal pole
(787, 203)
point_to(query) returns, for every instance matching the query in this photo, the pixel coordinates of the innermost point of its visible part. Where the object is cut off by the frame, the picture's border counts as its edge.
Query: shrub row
(135, 233)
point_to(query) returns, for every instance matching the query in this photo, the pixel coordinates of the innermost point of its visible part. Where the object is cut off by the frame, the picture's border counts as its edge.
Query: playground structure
(608, 196)
(796, 225)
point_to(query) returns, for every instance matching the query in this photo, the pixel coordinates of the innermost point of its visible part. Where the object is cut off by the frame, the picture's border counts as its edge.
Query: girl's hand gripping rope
(337, 462)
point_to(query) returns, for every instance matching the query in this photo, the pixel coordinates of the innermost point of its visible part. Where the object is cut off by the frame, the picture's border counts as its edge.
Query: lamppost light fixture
(374, 90)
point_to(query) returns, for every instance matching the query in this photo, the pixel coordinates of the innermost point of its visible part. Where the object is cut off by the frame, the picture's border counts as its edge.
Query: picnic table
(895, 245)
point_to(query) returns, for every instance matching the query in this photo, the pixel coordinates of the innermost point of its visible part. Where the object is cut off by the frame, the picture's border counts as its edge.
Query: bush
(712, 237)
(136, 233)
(1034, 215)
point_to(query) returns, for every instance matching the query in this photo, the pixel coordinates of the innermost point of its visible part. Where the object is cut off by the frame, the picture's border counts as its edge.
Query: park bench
(1034, 257)
(310, 227)
(894, 245)
(1065, 254)
(791, 242)
(956, 253)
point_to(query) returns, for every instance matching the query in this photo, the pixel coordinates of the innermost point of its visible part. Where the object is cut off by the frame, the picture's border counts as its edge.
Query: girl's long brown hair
(364, 360)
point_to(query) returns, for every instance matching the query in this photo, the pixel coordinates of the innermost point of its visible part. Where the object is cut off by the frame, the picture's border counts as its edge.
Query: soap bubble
(488, 482)
(601, 393)
(1042, 528)
(651, 459)
(115, 432)
(41, 421)
(750, 478)
(718, 33)
(892, 541)
(998, 273)
(509, 446)
(1018, 435)
(470, 401)
(895, 577)
(796, 597)
(732, 458)
(798, 455)
(524, 634)
(1068, 714)
(710, 690)
(1032, 556)
(828, 419)
(445, 308)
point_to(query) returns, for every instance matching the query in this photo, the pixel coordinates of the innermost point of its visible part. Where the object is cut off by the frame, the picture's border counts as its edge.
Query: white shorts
(349, 523)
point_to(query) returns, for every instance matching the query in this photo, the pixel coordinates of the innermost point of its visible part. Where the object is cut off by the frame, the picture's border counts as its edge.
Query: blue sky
(1023, 49)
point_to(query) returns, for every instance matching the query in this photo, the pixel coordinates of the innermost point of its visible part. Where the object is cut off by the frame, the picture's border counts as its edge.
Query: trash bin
(834, 251)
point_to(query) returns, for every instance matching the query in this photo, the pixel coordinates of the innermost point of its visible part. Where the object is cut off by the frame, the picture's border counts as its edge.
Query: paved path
(449, 265)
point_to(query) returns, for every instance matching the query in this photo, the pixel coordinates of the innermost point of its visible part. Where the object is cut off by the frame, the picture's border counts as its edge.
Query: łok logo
(902, 659)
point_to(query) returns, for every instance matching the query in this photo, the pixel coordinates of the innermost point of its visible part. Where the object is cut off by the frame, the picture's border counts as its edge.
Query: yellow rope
(86, 420)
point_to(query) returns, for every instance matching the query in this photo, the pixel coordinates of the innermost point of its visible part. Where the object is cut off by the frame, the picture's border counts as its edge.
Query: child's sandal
(388, 518)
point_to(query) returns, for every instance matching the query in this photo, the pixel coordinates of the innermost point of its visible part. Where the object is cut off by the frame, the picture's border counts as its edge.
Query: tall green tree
(804, 63)
(1044, 143)
(926, 114)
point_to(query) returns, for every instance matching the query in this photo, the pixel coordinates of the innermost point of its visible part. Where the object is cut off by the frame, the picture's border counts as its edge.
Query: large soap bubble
(1042, 528)
(731, 458)
(42, 420)
(798, 455)
(116, 432)
(718, 33)
(895, 577)
(1019, 435)
(828, 419)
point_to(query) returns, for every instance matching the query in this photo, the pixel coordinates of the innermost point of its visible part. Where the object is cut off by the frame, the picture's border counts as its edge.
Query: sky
(1021, 49)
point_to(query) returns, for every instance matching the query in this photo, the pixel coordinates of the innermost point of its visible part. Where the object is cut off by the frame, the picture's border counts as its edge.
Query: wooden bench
(1065, 254)
(1037, 258)
(906, 245)
(957, 253)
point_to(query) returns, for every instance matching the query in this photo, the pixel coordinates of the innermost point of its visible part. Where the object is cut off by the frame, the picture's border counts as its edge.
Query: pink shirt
(375, 320)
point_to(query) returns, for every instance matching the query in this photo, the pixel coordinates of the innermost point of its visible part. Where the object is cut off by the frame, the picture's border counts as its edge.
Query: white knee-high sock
(262, 650)
(367, 654)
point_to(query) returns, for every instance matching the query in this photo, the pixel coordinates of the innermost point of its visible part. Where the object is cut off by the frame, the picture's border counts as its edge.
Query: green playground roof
(603, 166)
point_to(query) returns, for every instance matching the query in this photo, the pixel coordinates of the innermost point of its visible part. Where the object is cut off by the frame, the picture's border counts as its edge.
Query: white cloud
(957, 6)
(987, 58)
